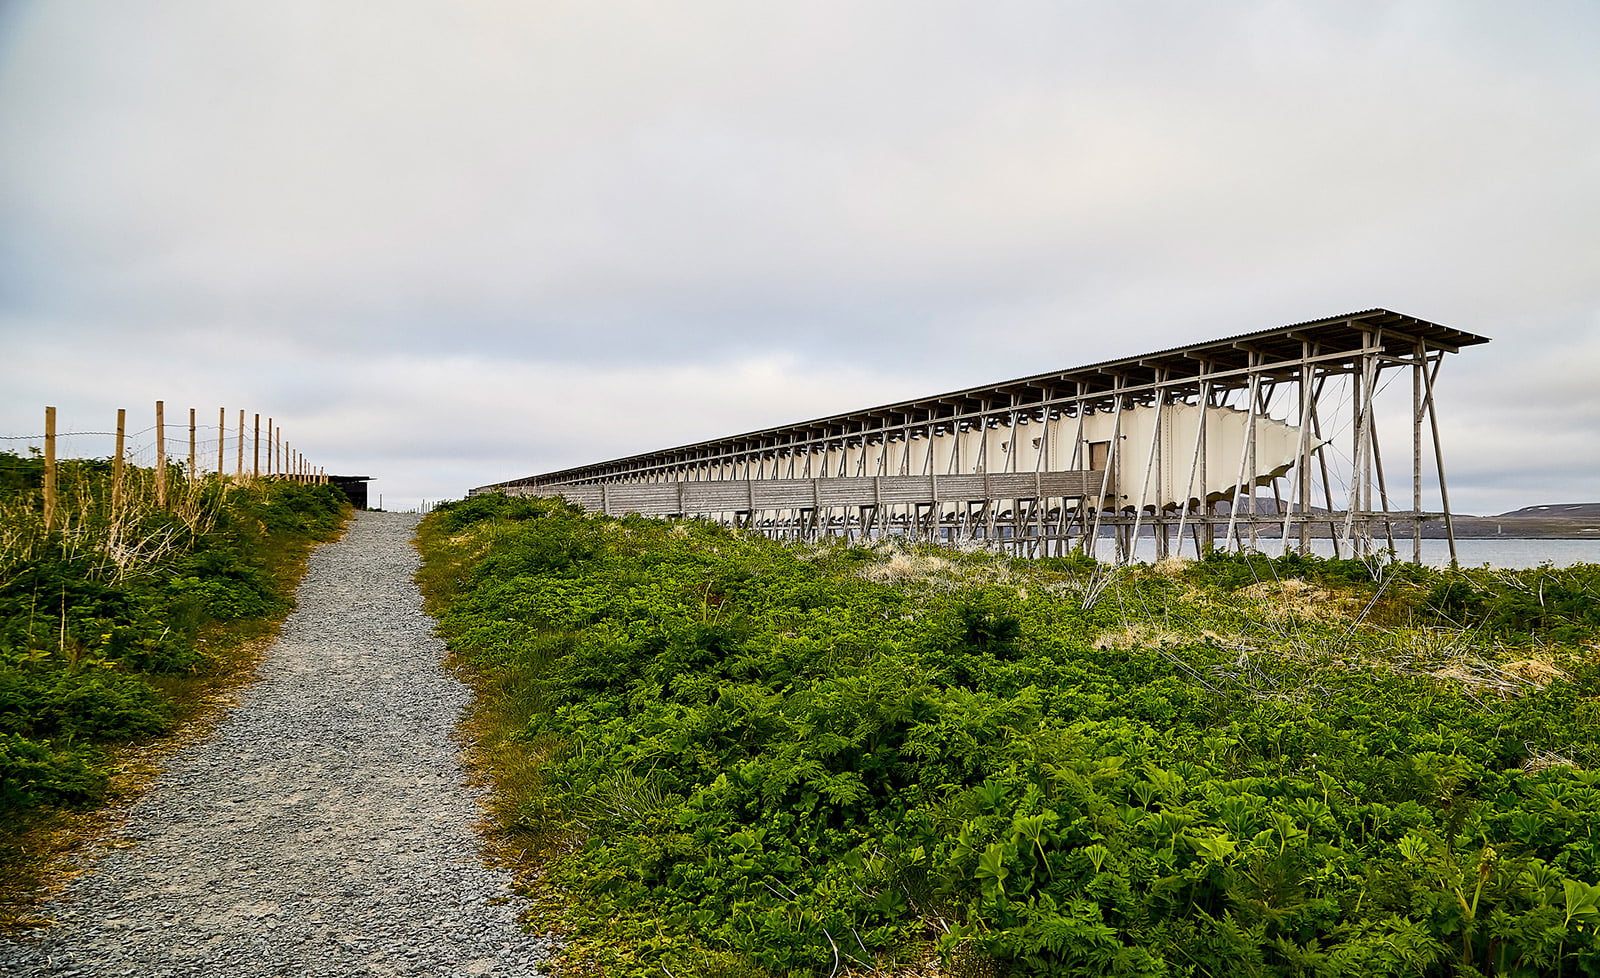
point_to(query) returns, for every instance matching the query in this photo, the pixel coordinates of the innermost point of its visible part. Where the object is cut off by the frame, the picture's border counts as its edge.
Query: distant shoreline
(1513, 528)
(1466, 528)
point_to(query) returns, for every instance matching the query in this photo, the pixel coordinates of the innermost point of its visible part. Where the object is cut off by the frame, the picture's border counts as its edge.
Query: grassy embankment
(718, 755)
(119, 628)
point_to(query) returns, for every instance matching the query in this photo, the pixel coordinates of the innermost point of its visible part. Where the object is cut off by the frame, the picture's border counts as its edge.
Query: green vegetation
(114, 623)
(720, 755)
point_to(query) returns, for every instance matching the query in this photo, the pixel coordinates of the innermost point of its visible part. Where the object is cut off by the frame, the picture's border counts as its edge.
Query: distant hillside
(1553, 521)
(1569, 511)
(1572, 521)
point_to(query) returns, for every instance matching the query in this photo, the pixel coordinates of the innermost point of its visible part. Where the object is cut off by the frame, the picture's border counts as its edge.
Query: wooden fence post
(117, 464)
(239, 468)
(161, 454)
(255, 469)
(49, 469)
(222, 437)
(193, 473)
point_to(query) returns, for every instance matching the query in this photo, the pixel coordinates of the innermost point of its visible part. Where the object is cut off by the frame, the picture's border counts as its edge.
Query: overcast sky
(452, 242)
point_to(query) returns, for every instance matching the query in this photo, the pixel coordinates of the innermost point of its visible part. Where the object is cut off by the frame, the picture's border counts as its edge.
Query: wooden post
(239, 467)
(161, 454)
(1360, 388)
(1152, 464)
(1383, 485)
(193, 472)
(1428, 377)
(1196, 462)
(1078, 462)
(222, 437)
(49, 469)
(1246, 459)
(1303, 471)
(1264, 397)
(1369, 390)
(117, 464)
(255, 468)
(1322, 468)
(1108, 481)
(1418, 357)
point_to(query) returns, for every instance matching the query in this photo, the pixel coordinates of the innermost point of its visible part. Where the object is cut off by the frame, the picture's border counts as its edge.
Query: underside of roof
(1222, 363)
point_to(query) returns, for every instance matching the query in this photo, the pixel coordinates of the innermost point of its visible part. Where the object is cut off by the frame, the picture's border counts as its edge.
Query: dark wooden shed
(354, 487)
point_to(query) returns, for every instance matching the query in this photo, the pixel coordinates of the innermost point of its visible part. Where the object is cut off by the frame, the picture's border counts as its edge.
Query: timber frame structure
(1172, 445)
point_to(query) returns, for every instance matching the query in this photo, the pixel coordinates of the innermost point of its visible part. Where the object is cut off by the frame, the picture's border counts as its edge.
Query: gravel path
(324, 829)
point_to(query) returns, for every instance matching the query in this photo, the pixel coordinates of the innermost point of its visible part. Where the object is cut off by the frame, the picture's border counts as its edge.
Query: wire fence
(174, 448)
(227, 442)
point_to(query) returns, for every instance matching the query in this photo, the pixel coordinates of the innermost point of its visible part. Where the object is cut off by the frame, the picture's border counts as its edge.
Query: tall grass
(120, 533)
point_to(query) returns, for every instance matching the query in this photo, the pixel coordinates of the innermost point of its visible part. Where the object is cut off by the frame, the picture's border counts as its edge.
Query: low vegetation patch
(119, 622)
(720, 755)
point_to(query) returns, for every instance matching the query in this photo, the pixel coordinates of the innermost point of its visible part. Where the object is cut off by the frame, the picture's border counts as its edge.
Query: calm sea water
(1504, 552)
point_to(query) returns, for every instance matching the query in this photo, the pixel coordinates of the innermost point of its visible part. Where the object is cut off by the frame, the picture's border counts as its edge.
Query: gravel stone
(324, 829)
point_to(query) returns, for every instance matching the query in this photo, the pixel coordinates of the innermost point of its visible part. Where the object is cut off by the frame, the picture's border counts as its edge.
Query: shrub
(787, 761)
(33, 775)
(94, 611)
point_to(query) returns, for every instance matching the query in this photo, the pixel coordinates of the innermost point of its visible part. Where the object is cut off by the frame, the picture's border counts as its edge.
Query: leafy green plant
(32, 774)
(791, 760)
(95, 611)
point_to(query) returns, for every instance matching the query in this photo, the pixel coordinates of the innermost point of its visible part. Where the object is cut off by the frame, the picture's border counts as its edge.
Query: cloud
(287, 202)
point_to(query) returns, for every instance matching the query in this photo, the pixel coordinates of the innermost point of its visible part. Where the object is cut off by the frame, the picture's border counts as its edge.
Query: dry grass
(1293, 599)
(899, 566)
(119, 540)
(1173, 567)
(1504, 679)
(1536, 672)
(1540, 759)
(941, 569)
(1140, 635)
